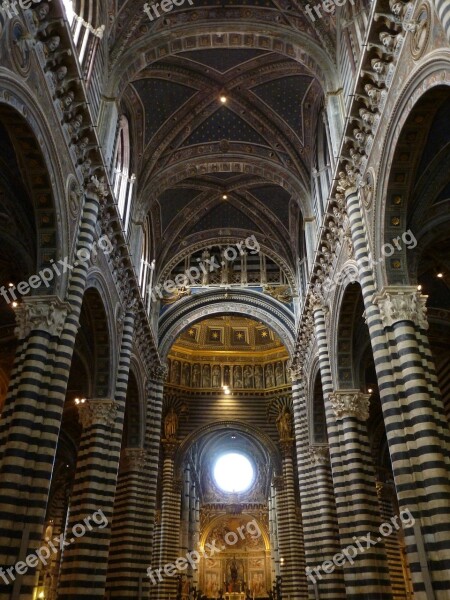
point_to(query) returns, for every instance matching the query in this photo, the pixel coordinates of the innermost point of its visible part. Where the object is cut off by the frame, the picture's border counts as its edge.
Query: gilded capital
(402, 303)
(100, 411)
(350, 403)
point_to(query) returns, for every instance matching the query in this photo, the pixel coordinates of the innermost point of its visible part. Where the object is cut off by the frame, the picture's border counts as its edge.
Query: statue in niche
(235, 575)
(237, 376)
(171, 425)
(259, 384)
(196, 376)
(284, 424)
(248, 376)
(216, 376)
(279, 373)
(226, 375)
(233, 570)
(176, 372)
(269, 376)
(206, 376)
(186, 374)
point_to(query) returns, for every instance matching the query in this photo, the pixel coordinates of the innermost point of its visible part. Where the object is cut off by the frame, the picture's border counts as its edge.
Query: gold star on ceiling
(264, 334)
(239, 335)
(191, 332)
(215, 335)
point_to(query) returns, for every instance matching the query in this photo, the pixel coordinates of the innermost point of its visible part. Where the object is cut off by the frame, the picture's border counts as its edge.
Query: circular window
(233, 472)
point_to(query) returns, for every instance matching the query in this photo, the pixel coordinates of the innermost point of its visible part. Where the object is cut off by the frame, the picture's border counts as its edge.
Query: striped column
(185, 511)
(403, 310)
(413, 467)
(195, 534)
(85, 558)
(153, 421)
(392, 542)
(357, 514)
(292, 559)
(443, 11)
(31, 419)
(96, 479)
(320, 529)
(170, 524)
(132, 528)
(356, 500)
(274, 552)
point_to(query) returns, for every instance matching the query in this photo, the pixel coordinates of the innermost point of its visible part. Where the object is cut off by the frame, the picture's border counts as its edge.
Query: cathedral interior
(225, 300)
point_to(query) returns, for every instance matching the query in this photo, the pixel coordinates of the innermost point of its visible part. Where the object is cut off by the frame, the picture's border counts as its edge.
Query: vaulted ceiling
(208, 168)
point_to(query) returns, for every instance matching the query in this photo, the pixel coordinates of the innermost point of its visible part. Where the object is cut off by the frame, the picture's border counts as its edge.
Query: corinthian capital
(402, 303)
(135, 458)
(350, 403)
(101, 411)
(159, 373)
(319, 455)
(44, 313)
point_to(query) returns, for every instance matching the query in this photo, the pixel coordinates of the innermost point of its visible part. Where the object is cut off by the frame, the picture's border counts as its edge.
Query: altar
(234, 596)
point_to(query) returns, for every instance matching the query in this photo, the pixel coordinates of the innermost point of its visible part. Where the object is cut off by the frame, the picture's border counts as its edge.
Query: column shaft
(96, 481)
(414, 469)
(320, 529)
(132, 528)
(354, 485)
(30, 423)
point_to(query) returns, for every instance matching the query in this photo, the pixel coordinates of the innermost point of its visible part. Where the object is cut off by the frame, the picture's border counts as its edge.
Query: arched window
(147, 266)
(302, 258)
(82, 16)
(322, 170)
(123, 183)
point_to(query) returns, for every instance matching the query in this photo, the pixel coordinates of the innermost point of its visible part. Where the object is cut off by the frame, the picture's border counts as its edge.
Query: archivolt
(226, 301)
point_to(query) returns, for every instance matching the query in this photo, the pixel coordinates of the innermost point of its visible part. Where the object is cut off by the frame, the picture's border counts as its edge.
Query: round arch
(17, 105)
(202, 165)
(342, 350)
(226, 301)
(259, 437)
(219, 519)
(208, 241)
(96, 301)
(195, 36)
(435, 72)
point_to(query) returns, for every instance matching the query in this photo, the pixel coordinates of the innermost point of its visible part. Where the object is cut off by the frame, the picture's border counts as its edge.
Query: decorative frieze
(402, 303)
(350, 403)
